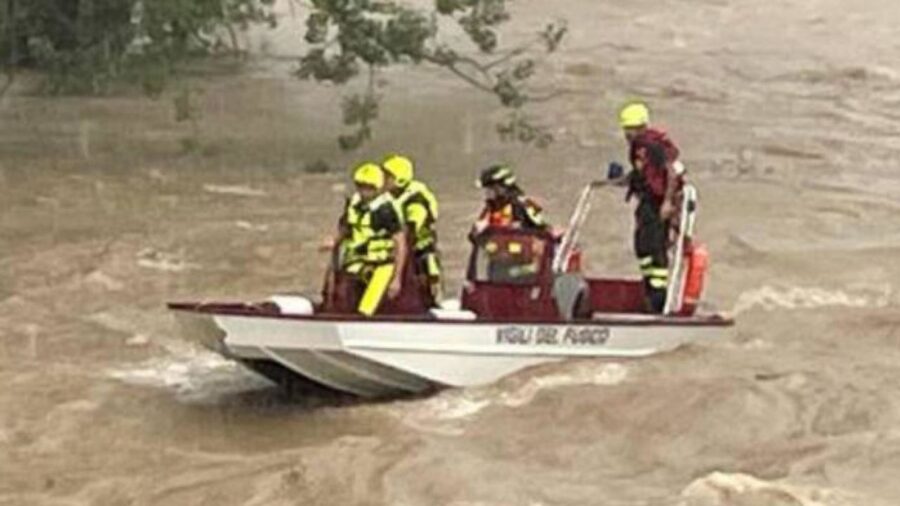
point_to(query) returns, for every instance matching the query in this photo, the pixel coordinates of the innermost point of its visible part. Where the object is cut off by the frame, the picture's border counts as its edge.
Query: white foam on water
(444, 413)
(458, 404)
(137, 340)
(163, 261)
(585, 373)
(115, 322)
(447, 412)
(757, 344)
(794, 297)
(253, 227)
(165, 265)
(726, 489)
(482, 503)
(461, 408)
(104, 280)
(193, 375)
(238, 190)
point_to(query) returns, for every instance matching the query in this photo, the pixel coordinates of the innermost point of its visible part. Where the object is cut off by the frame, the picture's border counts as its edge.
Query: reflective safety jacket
(420, 212)
(371, 228)
(518, 211)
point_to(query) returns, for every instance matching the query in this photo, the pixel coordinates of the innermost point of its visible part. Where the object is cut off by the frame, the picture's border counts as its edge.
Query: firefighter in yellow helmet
(420, 213)
(656, 179)
(373, 241)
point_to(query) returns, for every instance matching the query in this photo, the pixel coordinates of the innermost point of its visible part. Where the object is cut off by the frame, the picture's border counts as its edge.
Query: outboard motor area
(696, 258)
(689, 260)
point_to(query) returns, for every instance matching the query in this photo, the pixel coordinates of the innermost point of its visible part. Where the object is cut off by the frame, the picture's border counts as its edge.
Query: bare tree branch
(549, 96)
(475, 64)
(512, 54)
(459, 73)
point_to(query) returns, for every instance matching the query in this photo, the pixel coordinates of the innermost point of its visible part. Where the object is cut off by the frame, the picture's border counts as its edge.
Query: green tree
(87, 46)
(351, 38)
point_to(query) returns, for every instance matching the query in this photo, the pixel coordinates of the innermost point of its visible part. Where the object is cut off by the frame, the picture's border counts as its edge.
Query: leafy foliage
(88, 46)
(85, 46)
(518, 127)
(359, 110)
(348, 37)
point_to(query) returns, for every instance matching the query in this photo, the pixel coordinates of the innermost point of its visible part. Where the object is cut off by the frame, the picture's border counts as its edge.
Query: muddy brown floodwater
(787, 112)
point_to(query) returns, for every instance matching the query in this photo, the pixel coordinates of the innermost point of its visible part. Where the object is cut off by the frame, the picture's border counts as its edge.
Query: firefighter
(373, 241)
(510, 259)
(655, 181)
(420, 213)
(505, 203)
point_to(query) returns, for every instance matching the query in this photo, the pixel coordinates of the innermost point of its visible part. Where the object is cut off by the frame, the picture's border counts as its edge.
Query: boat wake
(770, 297)
(238, 190)
(581, 374)
(194, 376)
(725, 489)
(448, 411)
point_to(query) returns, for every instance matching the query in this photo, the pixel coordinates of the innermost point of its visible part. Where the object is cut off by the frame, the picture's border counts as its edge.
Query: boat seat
(508, 301)
(616, 295)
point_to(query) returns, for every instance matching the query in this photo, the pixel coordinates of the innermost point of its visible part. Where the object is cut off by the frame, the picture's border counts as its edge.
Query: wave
(769, 297)
(448, 411)
(727, 489)
(194, 376)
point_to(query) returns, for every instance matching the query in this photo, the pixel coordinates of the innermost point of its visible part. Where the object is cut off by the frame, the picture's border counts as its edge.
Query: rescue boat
(524, 302)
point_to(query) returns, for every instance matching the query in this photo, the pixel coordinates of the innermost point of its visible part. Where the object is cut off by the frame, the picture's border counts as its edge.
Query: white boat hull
(376, 358)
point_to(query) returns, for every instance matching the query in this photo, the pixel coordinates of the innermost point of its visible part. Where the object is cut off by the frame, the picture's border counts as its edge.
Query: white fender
(450, 309)
(292, 304)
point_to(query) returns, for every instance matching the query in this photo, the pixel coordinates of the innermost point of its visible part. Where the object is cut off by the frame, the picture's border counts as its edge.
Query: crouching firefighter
(507, 207)
(373, 241)
(420, 212)
(655, 179)
(505, 204)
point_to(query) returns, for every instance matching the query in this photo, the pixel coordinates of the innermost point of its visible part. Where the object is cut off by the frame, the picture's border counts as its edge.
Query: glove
(615, 171)
(633, 187)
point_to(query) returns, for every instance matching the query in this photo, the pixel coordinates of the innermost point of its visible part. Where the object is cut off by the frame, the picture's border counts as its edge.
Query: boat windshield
(509, 258)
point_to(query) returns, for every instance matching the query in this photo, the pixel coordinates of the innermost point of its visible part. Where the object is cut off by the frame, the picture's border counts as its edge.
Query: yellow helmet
(633, 115)
(400, 167)
(370, 174)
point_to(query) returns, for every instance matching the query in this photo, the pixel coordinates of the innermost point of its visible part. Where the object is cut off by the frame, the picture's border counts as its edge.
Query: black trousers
(651, 248)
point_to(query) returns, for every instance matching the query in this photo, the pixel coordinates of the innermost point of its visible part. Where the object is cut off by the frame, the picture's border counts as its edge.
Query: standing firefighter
(655, 182)
(373, 242)
(420, 213)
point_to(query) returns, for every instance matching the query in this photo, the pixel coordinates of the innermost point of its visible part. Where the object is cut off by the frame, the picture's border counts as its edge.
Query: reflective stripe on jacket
(372, 227)
(420, 212)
